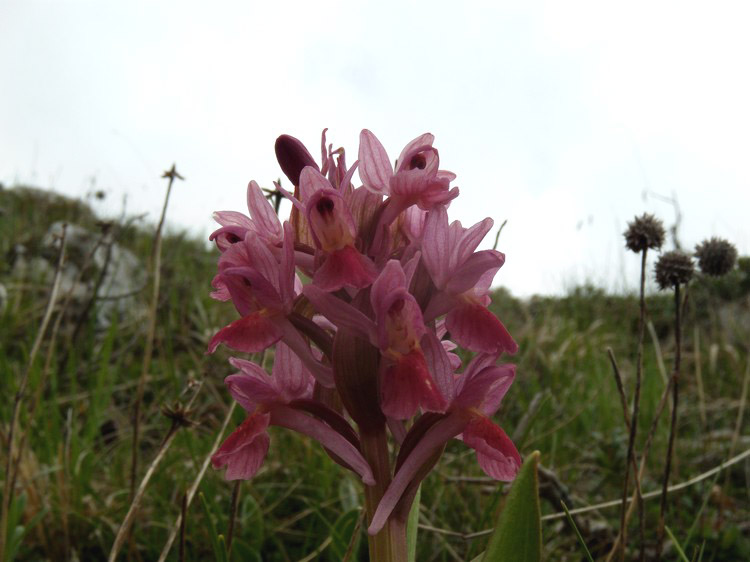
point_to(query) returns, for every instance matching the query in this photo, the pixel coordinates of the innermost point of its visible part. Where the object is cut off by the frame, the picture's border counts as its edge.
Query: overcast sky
(565, 118)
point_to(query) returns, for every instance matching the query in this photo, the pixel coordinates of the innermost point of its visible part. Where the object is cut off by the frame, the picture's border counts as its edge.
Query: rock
(90, 256)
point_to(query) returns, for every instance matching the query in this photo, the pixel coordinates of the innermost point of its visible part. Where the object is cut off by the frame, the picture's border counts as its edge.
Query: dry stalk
(156, 272)
(194, 486)
(604, 505)
(634, 422)
(10, 476)
(699, 376)
(673, 422)
(178, 421)
(641, 470)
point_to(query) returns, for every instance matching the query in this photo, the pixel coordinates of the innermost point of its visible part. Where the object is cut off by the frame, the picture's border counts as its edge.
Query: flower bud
(716, 256)
(293, 157)
(644, 232)
(673, 268)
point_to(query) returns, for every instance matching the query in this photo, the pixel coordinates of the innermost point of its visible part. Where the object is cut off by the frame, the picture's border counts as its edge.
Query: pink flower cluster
(393, 289)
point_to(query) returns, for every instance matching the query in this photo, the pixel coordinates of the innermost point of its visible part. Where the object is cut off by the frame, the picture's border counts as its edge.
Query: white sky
(563, 117)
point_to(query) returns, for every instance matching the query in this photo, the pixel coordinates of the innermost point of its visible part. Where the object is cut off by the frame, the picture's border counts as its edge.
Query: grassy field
(73, 485)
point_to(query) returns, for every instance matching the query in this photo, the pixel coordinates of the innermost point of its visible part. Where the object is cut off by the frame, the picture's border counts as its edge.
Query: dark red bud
(293, 157)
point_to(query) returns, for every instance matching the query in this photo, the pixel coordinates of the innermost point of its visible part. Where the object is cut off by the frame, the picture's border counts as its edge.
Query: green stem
(389, 545)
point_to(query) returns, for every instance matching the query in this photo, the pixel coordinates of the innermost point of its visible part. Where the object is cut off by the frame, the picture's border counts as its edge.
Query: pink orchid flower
(399, 332)
(477, 395)
(263, 222)
(416, 179)
(406, 383)
(334, 232)
(263, 291)
(394, 290)
(281, 399)
(463, 277)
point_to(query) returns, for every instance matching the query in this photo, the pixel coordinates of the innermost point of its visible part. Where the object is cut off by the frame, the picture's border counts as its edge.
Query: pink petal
(322, 373)
(287, 275)
(233, 218)
(435, 437)
(329, 218)
(436, 246)
(436, 193)
(485, 388)
(410, 268)
(220, 292)
(251, 333)
(245, 449)
(407, 385)
(400, 322)
(439, 363)
(424, 141)
(346, 181)
(345, 268)
(341, 313)
(413, 223)
(496, 453)
(290, 377)
(390, 279)
(226, 236)
(264, 216)
(473, 269)
(252, 386)
(375, 169)
(250, 289)
(312, 181)
(326, 436)
(470, 239)
(474, 327)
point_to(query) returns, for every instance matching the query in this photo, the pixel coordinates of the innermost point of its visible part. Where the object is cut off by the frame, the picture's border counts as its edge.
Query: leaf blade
(518, 531)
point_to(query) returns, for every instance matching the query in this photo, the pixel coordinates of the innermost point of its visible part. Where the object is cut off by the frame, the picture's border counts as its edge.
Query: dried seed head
(644, 232)
(179, 414)
(716, 256)
(673, 268)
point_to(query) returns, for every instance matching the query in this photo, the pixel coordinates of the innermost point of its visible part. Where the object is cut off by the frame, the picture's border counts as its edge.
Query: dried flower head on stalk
(644, 232)
(673, 268)
(716, 256)
(390, 278)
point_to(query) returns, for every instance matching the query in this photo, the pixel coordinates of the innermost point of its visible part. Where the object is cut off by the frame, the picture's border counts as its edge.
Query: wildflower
(716, 256)
(235, 226)
(263, 291)
(478, 393)
(463, 279)
(390, 278)
(281, 399)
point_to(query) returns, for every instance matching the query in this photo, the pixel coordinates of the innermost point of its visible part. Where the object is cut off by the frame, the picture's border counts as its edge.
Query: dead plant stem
(673, 422)
(148, 351)
(10, 478)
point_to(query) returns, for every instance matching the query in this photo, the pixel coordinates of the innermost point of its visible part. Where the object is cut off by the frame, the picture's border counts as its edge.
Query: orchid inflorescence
(393, 289)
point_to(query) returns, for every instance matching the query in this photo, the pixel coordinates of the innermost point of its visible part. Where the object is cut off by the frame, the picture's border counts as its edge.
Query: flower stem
(673, 423)
(389, 545)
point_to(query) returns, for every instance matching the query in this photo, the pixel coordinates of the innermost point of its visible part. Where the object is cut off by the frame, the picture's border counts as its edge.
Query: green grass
(72, 491)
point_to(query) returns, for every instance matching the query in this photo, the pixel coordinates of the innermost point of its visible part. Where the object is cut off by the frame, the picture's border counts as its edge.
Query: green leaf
(677, 546)
(578, 533)
(342, 533)
(412, 526)
(217, 541)
(518, 531)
